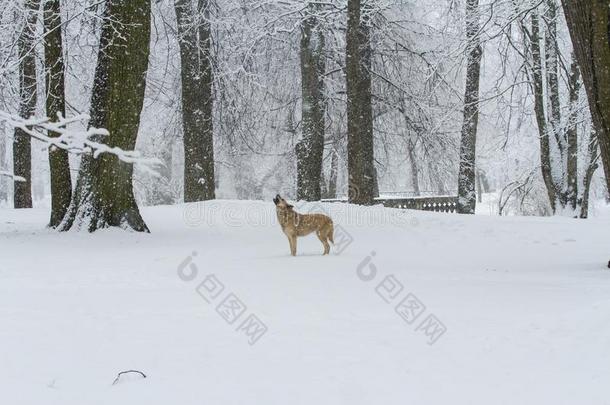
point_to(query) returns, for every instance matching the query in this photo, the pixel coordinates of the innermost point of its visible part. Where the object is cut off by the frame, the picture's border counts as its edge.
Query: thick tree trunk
(310, 149)
(360, 158)
(22, 144)
(466, 177)
(59, 165)
(104, 192)
(588, 22)
(197, 99)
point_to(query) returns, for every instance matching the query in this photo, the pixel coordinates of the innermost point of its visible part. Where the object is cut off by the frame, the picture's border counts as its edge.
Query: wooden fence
(437, 204)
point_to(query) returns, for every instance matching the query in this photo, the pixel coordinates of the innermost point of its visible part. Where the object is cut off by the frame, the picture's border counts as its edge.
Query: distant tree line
(371, 70)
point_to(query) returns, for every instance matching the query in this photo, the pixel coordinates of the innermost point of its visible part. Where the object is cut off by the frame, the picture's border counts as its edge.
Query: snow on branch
(11, 176)
(75, 141)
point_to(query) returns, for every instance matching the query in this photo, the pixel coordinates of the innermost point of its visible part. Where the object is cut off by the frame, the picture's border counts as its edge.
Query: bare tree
(558, 139)
(466, 178)
(360, 162)
(592, 165)
(310, 149)
(571, 138)
(331, 191)
(59, 164)
(559, 161)
(22, 144)
(538, 87)
(414, 169)
(3, 164)
(588, 25)
(195, 42)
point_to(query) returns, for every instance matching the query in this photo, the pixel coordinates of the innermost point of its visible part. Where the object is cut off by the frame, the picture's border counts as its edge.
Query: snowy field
(506, 310)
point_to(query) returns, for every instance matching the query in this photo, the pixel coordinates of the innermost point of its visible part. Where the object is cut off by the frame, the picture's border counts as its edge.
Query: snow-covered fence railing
(436, 204)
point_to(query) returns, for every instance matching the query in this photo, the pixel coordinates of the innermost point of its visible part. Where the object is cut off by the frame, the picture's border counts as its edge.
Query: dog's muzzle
(276, 200)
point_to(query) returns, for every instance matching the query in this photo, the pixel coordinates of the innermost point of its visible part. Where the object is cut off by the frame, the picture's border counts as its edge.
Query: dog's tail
(332, 232)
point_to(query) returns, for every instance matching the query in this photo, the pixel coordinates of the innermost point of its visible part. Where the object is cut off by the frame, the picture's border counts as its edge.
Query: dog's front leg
(292, 239)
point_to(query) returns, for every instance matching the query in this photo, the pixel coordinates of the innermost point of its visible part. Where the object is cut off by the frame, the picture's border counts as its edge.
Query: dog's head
(280, 203)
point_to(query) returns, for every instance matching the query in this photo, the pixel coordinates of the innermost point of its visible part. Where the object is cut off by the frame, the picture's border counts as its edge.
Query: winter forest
(161, 162)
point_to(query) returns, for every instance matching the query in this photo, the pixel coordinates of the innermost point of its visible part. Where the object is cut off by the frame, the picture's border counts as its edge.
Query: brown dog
(295, 225)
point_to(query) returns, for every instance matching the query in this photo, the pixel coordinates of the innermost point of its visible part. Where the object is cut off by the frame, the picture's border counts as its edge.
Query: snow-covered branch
(75, 141)
(11, 176)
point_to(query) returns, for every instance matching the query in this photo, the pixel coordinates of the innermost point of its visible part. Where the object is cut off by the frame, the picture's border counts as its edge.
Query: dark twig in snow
(118, 377)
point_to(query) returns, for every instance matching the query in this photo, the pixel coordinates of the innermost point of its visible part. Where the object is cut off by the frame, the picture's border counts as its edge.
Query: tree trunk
(588, 22)
(551, 52)
(572, 138)
(592, 158)
(59, 165)
(485, 188)
(592, 166)
(538, 88)
(479, 187)
(3, 164)
(161, 192)
(466, 178)
(558, 160)
(104, 191)
(360, 158)
(414, 168)
(22, 144)
(375, 183)
(197, 99)
(310, 149)
(332, 178)
(323, 186)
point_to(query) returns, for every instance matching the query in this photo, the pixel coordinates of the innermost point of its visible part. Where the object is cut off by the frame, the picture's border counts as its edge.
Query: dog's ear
(289, 206)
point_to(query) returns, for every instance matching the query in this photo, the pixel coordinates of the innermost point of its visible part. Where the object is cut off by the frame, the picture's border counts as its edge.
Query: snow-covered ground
(517, 309)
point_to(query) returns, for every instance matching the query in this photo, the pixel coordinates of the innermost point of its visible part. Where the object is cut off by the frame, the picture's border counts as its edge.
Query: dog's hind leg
(322, 236)
(293, 245)
(327, 234)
